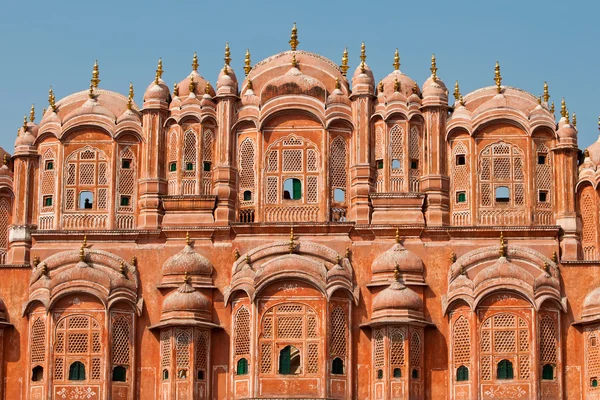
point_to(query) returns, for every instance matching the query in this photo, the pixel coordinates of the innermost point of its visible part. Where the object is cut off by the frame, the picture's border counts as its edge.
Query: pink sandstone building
(300, 233)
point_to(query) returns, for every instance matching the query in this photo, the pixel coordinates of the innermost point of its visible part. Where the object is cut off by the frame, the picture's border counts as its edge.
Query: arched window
(189, 181)
(247, 195)
(242, 366)
(548, 372)
(594, 382)
(379, 374)
(86, 200)
(415, 373)
(396, 164)
(165, 374)
(77, 371)
(119, 374)
(292, 189)
(289, 361)
(337, 366)
(504, 370)
(462, 374)
(37, 374)
(338, 169)
(397, 373)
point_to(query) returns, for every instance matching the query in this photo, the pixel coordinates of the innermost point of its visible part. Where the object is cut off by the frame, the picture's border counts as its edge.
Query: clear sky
(55, 43)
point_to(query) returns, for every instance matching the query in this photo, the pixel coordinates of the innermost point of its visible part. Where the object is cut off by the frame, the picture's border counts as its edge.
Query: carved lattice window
(126, 185)
(461, 343)
(379, 159)
(592, 357)
(38, 341)
(201, 349)
(338, 170)
(415, 159)
(87, 180)
(505, 336)
(165, 349)
(460, 175)
(78, 337)
(396, 335)
(4, 224)
(589, 219)
(189, 181)
(416, 351)
(184, 354)
(396, 159)
(122, 339)
(247, 171)
(289, 324)
(544, 189)
(48, 187)
(338, 333)
(183, 340)
(172, 166)
(241, 329)
(548, 341)
(207, 161)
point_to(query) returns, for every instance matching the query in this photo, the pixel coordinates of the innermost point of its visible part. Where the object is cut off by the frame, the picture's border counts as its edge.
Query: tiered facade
(300, 234)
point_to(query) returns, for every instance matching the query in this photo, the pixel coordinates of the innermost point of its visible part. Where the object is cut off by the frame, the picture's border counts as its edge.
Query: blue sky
(55, 43)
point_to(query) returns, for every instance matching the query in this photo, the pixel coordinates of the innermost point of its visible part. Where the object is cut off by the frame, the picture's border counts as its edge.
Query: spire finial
(363, 57)
(502, 251)
(552, 108)
(5, 159)
(130, 97)
(380, 86)
(396, 85)
(207, 88)
(294, 62)
(81, 253)
(461, 100)
(247, 65)
(249, 85)
(546, 93)
(337, 83)
(563, 108)
(227, 54)
(25, 123)
(51, 99)
(554, 257)
(192, 85)
(187, 238)
(397, 235)
(195, 62)
(539, 100)
(159, 71)
(344, 67)
(568, 120)
(91, 91)
(294, 38)
(292, 245)
(397, 273)
(32, 113)
(433, 67)
(84, 244)
(95, 75)
(186, 278)
(497, 77)
(396, 60)
(175, 89)
(456, 92)
(575, 120)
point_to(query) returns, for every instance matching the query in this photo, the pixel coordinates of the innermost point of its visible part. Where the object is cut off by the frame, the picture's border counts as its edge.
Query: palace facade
(300, 233)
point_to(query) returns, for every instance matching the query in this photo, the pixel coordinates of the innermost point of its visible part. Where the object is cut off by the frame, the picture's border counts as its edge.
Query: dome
(187, 261)
(406, 260)
(227, 82)
(566, 130)
(404, 81)
(157, 91)
(249, 98)
(91, 106)
(294, 82)
(207, 100)
(594, 152)
(25, 138)
(502, 269)
(435, 87)
(591, 307)
(397, 297)
(129, 116)
(337, 96)
(187, 299)
(363, 80)
(199, 85)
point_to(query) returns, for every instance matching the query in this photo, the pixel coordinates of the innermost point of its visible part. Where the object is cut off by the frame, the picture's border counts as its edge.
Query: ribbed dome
(338, 97)
(397, 255)
(25, 138)
(397, 297)
(199, 85)
(157, 91)
(187, 260)
(294, 82)
(435, 88)
(227, 81)
(566, 130)
(362, 82)
(502, 269)
(91, 106)
(404, 81)
(186, 298)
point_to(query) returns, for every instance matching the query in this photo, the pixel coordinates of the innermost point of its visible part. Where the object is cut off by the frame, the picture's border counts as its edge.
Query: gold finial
(456, 91)
(380, 87)
(461, 100)
(294, 38)
(546, 93)
(396, 85)
(51, 99)
(363, 52)
(563, 108)
(192, 85)
(294, 62)
(44, 269)
(497, 77)
(84, 244)
(81, 253)
(292, 245)
(247, 65)
(453, 256)
(207, 88)
(130, 97)
(195, 62)
(552, 108)
(36, 261)
(586, 153)
(338, 260)
(502, 245)
(397, 273)
(95, 75)
(347, 255)
(43, 112)
(5, 159)
(546, 267)
(186, 278)
(397, 235)
(433, 67)
(32, 113)
(247, 259)
(463, 271)
(227, 54)
(159, 72)
(567, 116)
(344, 67)
(554, 257)
(539, 100)
(134, 261)
(175, 89)
(236, 254)
(415, 88)
(122, 269)
(25, 123)
(249, 84)
(337, 83)
(91, 91)
(187, 238)
(396, 61)
(575, 120)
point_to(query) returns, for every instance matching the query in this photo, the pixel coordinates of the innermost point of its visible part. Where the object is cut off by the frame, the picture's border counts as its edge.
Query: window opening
(200, 375)
(37, 374)
(86, 200)
(379, 164)
(505, 370)
(414, 164)
(165, 374)
(379, 374)
(173, 167)
(541, 159)
(337, 366)
(548, 372)
(207, 165)
(415, 373)
(397, 373)
(125, 163)
(125, 201)
(119, 374)
(462, 373)
(189, 166)
(77, 371)
(543, 196)
(502, 194)
(49, 165)
(292, 189)
(47, 201)
(247, 195)
(396, 164)
(339, 195)
(182, 374)
(242, 366)
(461, 159)
(594, 382)
(289, 361)
(461, 197)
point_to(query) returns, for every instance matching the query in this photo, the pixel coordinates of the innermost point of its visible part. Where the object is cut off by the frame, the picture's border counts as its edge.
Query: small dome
(199, 85)
(338, 97)
(566, 130)
(406, 260)
(363, 81)
(594, 152)
(157, 91)
(397, 297)
(249, 98)
(502, 269)
(129, 116)
(207, 101)
(227, 81)
(91, 106)
(435, 87)
(187, 299)
(404, 81)
(187, 261)
(25, 138)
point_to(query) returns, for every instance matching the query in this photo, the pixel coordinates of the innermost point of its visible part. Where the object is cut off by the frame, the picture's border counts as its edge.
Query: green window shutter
(284, 361)
(509, 370)
(502, 369)
(594, 382)
(242, 366)
(297, 189)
